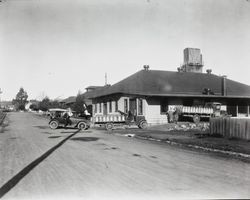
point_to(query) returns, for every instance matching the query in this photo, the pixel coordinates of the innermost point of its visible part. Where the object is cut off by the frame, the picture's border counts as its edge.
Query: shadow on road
(54, 136)
(41, 127)
(20, 175)
(67, 132)
(72, 132)
(85, 139)
(136, 155)
(46, 132)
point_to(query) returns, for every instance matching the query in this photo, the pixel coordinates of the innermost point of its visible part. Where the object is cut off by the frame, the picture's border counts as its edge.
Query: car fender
(54, 120)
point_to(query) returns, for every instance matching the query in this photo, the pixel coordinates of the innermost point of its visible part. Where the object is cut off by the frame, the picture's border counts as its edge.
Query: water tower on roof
(192, 60)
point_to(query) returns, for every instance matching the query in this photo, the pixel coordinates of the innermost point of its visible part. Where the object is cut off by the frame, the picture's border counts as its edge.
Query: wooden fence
(2, 116)
(231, 127)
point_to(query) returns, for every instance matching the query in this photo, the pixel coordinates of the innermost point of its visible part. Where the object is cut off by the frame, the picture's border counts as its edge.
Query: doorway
(132, 106)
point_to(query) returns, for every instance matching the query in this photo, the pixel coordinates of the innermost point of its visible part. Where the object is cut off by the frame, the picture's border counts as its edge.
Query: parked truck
(111, 121)
(211, 109)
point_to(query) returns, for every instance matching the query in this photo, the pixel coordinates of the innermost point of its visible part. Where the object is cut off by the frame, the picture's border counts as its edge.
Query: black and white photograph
(124, 99)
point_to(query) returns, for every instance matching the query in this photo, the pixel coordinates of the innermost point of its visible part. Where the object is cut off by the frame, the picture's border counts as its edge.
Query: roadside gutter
(231, 153)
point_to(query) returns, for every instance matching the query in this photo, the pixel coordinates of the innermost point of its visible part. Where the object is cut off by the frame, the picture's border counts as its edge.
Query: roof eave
(174, 95)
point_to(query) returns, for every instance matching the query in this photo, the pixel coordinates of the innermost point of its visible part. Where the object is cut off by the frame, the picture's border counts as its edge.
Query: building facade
(152, 92)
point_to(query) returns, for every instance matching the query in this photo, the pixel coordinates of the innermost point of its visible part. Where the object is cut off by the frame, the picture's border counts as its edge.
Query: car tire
(196, 119)
(143, 124)
(176, 118)
(53, 124)
(109, 126)
(82, 126)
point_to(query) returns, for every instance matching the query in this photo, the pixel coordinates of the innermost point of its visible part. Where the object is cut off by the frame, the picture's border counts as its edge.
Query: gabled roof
(168, 83)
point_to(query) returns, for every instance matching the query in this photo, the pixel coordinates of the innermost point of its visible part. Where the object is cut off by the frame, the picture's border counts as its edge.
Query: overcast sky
(58, 47)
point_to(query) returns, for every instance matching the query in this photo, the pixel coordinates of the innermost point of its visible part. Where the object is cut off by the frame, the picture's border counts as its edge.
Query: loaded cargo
(211, 109)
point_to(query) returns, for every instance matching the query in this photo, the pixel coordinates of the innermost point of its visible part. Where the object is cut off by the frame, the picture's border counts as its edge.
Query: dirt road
(36, 162)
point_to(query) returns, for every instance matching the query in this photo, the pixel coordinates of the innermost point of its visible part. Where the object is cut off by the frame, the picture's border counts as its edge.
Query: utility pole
(106, 79)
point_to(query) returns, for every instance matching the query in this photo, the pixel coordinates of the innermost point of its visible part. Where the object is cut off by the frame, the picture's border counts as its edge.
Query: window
(95, 108)
(242, 109)
(116, 106)
(100, 107)
(164, 107)
(125, 105)
(188, 102)
(110, 106)
(140, 107)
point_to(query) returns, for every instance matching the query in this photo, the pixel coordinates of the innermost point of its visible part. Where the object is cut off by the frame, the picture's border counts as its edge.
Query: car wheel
(176, 118)
(53, 124)
(82, 126)
(196, 119)
(109, 126)
(143, 124)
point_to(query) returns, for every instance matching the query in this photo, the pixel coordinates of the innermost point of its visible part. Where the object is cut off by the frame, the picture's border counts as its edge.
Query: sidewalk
(189, 135)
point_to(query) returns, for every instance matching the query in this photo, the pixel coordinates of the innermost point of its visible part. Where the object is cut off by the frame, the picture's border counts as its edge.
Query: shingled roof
(169, 83)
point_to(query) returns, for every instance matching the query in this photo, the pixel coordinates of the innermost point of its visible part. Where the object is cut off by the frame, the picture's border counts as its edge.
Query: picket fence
(231, 127)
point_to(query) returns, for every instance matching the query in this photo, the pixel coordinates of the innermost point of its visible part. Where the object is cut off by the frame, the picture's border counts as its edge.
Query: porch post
(248, 110)
(137, 107)
(237, 110)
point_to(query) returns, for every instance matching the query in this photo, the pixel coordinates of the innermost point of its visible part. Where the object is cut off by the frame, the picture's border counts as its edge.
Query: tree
(55, 104)
(44, 105)
(34, 107)
(21, 99)
(78, 106)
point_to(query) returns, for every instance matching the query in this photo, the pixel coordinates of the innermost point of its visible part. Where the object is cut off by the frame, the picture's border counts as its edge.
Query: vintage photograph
(124, 99)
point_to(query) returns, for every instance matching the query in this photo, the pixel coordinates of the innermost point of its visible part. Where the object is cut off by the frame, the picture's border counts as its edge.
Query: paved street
(37, 162)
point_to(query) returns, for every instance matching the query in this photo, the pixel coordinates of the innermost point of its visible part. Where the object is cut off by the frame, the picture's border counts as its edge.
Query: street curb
(231, 153)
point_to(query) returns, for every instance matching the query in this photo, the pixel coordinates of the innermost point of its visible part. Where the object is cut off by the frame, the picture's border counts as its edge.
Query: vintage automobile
(63, 117)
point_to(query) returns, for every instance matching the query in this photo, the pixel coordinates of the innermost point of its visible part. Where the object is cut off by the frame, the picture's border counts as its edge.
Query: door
(132, 106)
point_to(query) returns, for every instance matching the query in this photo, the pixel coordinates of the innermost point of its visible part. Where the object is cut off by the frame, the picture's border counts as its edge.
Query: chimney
(146, 67)
(224, 85)
(209, 71)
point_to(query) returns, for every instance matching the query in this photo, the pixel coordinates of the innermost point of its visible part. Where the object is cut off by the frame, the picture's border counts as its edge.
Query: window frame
(126, 105)
(140, 106)
(100, 107)
(95, 108)
(110, 107)
(116, 106)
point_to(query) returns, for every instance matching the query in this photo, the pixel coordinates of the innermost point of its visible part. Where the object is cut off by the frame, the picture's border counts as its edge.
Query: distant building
(7, 105)
(29, 103)
(90, 91)
(68, 101)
